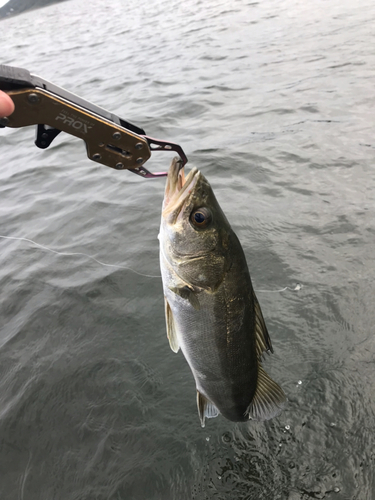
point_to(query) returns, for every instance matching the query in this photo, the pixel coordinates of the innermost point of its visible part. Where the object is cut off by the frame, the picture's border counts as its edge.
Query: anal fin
(171, 328)
(269, 399)
(205, 408)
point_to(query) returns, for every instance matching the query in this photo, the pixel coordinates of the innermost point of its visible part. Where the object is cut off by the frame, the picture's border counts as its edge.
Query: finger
(6, 104)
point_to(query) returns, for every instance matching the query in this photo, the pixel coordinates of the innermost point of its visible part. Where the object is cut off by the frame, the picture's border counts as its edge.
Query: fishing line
(69, 254)
(296, 288)
(117, 266)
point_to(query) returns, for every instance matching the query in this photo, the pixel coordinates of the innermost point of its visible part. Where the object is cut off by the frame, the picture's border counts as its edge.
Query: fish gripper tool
(109, 139)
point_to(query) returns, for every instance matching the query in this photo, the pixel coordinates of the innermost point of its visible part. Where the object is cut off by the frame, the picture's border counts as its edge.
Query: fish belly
(218, 342)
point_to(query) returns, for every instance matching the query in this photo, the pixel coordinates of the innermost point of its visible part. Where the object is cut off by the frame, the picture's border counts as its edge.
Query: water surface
(274, 102)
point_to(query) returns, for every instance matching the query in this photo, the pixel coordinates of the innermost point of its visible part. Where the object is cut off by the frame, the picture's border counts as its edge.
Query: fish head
(194, 233)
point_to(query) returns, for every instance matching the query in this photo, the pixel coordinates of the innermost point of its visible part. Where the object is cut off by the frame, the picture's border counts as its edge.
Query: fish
(212, 313)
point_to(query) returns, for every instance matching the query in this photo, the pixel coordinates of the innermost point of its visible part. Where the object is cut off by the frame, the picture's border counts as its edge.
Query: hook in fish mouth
(179, 187)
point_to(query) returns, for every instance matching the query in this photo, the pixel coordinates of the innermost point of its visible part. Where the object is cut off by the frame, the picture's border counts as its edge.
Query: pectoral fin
(171, 328)
(187, 293)
(269, 399)
(205, 408)
(263, 341)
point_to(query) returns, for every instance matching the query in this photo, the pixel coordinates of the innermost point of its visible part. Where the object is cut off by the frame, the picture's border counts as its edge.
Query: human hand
(6, 105)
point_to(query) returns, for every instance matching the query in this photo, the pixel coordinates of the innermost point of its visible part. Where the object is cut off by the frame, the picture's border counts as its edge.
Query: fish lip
(178, 190)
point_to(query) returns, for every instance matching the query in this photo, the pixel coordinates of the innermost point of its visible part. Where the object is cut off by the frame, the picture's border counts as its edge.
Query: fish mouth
(179, 188)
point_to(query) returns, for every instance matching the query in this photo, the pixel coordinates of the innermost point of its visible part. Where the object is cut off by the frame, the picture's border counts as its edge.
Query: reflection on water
(274, 102)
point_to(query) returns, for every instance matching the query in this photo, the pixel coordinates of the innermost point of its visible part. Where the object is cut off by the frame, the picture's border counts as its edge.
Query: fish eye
(201, 218)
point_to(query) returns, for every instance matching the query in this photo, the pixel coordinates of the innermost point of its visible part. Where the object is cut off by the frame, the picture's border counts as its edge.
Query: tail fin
(269, 399)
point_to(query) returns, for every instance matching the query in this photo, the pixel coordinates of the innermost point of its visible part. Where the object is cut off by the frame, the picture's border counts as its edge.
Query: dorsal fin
(269, 399)
(263, 341)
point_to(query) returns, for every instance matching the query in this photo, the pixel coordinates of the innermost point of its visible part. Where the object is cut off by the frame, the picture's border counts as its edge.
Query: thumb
(6, 104)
